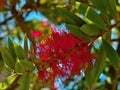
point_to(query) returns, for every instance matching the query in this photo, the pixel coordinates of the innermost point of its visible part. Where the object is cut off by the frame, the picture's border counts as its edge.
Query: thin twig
(5, 21)
(116, 80)
(105, 31)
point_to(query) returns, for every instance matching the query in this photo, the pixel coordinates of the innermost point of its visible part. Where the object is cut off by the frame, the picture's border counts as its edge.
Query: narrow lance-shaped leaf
(99, 4)
(91, 29)
(93, 74)
(27, 65)
(71, 18)
(77, 32)
(111, 54)
(20, 52)
(11, 49)
(19, 68)
(7, 58)
(110, 5)
(25, 82)
(91, 15)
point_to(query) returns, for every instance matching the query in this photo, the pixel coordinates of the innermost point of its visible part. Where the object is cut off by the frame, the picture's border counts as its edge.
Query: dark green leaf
(5, 84)
(20, 52)
(99, 4)
(110, 5)
(77, 32)
(25, 44)
(112, 54)
(11, 49)
(91, 29)
(93, 74)
(71, 18)
(7, 58)
(91, 14)
(25, 82)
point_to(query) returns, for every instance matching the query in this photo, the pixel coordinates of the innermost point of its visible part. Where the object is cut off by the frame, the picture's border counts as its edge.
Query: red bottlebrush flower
(36, 34)
(44, 75)
(64, 54)
(44, 58)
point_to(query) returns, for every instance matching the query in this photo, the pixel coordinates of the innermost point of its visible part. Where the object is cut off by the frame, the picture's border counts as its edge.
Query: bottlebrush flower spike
(64, 55)
(36, 34)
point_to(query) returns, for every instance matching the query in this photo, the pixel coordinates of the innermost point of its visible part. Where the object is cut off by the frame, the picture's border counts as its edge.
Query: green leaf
(25, 44)
(91, 29)
(11, 49)
(99, 4)
(20, 52)
(112, 54)
(25, 82)
(27, 65)
(7, 58)
(77, 32)
(71, 18)
(93, 74)
(19, 68)
(22, 66)
(7, 82)
(91, 14)
(110, 5)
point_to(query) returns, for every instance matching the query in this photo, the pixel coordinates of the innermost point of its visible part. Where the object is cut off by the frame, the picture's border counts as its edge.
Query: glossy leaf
(25, 82)
(11, 49)
(110, 5)
(112, 54)
(99, 4)
(91, 29)
(91, 14)
(77, 32)
(19, 68)
(27, 65)
(93, 75)
(7, 58)
(20, 52)
(7, 82)
(22, 66)
(71, 18)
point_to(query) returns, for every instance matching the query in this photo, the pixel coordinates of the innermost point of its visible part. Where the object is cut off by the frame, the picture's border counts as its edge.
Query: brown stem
(105, 31)
(20, 20)
(5, 21)
(116, 80)
(14, 84)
